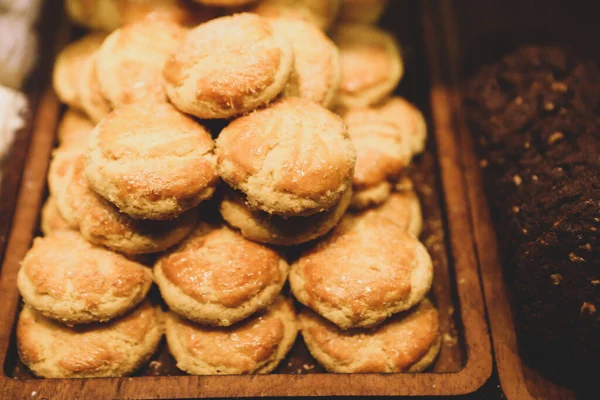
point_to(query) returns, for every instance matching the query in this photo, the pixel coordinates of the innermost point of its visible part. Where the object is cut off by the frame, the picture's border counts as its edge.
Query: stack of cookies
(208, 148)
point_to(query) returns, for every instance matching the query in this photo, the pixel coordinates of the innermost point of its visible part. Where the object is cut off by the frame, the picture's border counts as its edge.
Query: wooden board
(468, 34)
(465, 362)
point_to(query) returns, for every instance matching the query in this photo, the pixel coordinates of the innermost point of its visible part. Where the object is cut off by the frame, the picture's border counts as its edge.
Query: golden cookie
(407, 342)
(68, 67)
(316, 75)
(285, 231)
(228, 66)
(403, 209)
(225, 3)
(112, 349)
(151, 161)
(371, 64)
(396, 113)
(293, 158)
(108, 15)
(74, 127)
(130, 61)
(93, 102)
(60, 174)
(101, 223)
(254, 346)
(216, 277)
(72, 281)
(51, 219)
(362, 11)
(318, 12)
(367, 269)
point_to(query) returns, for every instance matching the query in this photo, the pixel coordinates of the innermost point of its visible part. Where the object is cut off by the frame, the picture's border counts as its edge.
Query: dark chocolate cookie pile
(535, 118)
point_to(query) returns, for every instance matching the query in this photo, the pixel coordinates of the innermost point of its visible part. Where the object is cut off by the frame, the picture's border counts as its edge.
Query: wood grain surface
(465, 362)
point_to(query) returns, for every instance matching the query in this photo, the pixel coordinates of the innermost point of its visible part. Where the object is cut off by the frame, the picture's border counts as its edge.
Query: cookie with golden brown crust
(366, 270)
(72, 281)
(228, 66)
(217, 277)
(74, 127)
(130, 61)
(403, 209)
(320, 13)
(92, 100)
(371, 64)
(253, 346)
(362, 11)
(60, 174)
(51, 219)
(103, 224)
(69, 64)
(112, 349)
(317, 73)
(151, 161)
(407, 342)
(292, 158)
(273, 229)
(108, 15)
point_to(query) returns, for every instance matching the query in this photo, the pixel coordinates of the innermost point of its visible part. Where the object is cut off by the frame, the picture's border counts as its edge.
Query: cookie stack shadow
(311, 161)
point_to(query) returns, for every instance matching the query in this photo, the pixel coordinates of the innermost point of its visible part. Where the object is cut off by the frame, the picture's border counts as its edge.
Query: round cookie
(292, 158)
(91, 98)
(394, 112)
(362, 11)
(69, 64)
(101, 223)
(225, 3)
(320, 13)
(403, 209)
(228, 66)
(130, 61)
(367, 269)
(51, 219)
(216, 277)
(74, 127)
(60, 174)
(112, 349)
(108, 15)
(254, 346)
(260, 226)
(151, 161)
(72, 281)
(316, 75)
(371, 64)
(407, 342)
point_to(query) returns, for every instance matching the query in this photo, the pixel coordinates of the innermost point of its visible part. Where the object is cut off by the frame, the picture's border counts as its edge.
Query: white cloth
(18, 50)
(26, 9)
(13, 106)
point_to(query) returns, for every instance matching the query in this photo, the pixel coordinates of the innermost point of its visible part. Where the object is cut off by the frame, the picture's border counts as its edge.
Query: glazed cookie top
(293, 158)
(116, 348)
(228, 66)
(63, 268)
(151, 161)
(255, 345)
(367, 269)
(371, 64)
(316, 75)
(217, 265)
(398, 345)
(130, 61)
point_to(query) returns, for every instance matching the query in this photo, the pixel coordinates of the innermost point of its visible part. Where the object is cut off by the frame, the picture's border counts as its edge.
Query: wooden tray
(465, 361)
(472, 33)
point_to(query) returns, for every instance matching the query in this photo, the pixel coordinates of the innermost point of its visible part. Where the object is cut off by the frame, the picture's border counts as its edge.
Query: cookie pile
(198, 142)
